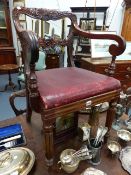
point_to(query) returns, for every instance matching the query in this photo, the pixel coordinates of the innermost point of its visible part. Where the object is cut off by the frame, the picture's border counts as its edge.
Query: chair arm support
(114, 49)
(21, 93)
(30, 48)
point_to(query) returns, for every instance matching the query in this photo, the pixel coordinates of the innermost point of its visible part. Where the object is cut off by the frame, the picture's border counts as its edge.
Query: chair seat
(62, 86)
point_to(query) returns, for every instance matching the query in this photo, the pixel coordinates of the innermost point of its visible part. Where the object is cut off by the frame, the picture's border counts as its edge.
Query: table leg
(10, 83)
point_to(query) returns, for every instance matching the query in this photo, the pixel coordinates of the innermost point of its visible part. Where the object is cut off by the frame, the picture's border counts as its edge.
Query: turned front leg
(49, 144)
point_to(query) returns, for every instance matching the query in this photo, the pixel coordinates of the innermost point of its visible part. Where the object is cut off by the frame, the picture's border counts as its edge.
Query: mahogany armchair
(59, 91)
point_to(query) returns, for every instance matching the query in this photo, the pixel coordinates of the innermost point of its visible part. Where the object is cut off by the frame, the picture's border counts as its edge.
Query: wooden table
(34, 137)
(9, 68)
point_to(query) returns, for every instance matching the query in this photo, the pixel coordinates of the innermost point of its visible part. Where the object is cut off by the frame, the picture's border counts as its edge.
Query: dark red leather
(61, 86)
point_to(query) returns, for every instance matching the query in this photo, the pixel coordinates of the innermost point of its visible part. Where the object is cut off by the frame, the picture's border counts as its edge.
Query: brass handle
(129, 69)
(53, 58)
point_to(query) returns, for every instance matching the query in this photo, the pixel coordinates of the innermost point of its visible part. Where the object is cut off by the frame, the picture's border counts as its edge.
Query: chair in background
(60, 91)
(40, 65)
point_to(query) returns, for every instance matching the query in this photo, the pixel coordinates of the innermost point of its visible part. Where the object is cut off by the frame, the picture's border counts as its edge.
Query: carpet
(6, 111)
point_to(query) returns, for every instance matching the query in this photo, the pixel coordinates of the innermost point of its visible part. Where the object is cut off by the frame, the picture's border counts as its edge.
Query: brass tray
(17, 161)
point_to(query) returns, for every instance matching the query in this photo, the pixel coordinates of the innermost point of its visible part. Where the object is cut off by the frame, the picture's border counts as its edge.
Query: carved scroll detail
(114, 50)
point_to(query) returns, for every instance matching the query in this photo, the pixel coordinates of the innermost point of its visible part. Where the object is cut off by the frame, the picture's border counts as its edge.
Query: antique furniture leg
(8, 68)
(10, 84)
(110, 117)
(49, 143)
(21, 93)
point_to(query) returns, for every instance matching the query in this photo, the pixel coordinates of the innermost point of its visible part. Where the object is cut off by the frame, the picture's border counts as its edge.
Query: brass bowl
(124, 135)
(114, 146)
(68, 163)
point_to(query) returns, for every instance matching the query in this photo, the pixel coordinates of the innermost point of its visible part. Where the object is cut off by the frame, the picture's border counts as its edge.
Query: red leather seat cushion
(61, 86)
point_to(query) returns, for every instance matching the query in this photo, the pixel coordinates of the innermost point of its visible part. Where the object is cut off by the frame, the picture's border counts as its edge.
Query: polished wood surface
(7, 51)
(100, 65)
(7, 55)
(8, 67)
(34, 138)
(52, 61)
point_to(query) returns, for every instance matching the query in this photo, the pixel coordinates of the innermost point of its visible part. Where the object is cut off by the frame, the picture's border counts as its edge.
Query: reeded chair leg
(49, 144)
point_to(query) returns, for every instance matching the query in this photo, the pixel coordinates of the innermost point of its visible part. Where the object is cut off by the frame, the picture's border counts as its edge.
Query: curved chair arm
(114, 49)
(21, 93)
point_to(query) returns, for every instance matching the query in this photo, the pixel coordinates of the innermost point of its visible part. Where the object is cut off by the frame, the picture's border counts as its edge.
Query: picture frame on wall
(37, 27)
(100, 48)
(2, 19)
(22, 17)
(86, 24)
(23, 24)
(56, 36)
(47, 27)
(42, 29)
(19, 46)
(18, 3)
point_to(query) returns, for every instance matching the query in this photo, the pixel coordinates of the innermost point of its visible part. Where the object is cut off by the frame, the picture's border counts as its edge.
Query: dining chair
(60, 91)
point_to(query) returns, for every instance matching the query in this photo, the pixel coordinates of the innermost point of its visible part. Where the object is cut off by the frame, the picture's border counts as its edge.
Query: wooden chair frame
(30, 45)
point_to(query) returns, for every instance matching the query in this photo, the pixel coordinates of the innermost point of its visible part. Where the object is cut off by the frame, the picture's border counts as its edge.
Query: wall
(13, 28)
(115, 14)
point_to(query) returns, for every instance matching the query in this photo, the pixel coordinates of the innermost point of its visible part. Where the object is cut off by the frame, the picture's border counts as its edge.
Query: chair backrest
(31, 43)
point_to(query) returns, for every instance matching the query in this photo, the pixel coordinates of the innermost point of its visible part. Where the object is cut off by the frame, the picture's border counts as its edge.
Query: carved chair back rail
(59, 91)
